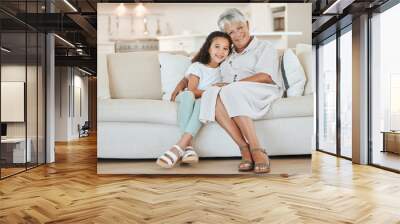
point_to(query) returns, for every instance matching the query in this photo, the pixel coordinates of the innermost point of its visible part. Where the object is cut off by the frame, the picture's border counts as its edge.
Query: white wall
(34, 124)
(14, 73)
(68, 80)
(62, 81)
(80, 83)
(12, 101)
(195, 18)
(178, 18)
(17, 73)
(298, 18)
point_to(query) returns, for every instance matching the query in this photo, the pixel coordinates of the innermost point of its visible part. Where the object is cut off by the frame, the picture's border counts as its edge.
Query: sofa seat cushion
(296, 106)
(165, 112)
(137, 110)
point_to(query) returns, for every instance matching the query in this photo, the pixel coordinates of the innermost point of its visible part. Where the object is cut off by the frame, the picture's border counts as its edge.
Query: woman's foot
(247, 163)
(190, 156)
(170, 157)
(261, 160)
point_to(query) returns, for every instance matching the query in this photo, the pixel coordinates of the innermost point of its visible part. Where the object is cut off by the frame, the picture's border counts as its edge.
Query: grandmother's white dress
(244, 98)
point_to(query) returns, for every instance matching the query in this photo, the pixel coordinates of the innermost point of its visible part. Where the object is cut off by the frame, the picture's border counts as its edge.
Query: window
(395, 101)
(22, 76)
(385, 88)
(346, 94)
(327, 97)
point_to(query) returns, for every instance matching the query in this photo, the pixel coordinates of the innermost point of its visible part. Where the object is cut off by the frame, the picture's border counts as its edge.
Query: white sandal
(190, 156)
(169, 159)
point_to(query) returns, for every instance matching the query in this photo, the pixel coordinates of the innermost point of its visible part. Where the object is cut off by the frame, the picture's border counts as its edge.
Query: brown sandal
(245, 165)
(264, 167)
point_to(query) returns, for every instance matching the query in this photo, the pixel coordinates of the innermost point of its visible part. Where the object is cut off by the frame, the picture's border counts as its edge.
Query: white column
(50, 92)
(50, 100)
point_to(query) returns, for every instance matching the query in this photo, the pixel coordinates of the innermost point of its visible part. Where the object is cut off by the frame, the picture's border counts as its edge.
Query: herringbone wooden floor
(70, 191)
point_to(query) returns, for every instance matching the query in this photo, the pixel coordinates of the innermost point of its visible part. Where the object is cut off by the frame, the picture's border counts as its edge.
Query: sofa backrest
(134, 75)
(137, 74)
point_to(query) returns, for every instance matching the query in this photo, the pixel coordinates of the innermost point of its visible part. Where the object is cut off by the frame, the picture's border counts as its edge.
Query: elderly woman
(251, 84)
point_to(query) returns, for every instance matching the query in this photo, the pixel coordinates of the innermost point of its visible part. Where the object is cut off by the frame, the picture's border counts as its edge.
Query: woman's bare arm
(259, 77)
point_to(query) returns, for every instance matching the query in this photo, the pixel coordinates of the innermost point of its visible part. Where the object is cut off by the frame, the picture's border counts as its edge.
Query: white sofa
(134, 123)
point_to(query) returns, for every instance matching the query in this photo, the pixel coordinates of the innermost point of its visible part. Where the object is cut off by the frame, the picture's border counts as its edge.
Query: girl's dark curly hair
(203, 56)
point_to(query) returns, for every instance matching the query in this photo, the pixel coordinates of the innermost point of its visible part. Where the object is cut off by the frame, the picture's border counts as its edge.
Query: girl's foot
(247, 163)
(190, 156)
(170, 157)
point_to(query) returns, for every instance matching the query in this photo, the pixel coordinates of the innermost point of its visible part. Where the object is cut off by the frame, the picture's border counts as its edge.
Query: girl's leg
(192, 127)
(185, 112)
(182, 143)
(185, 108)
(231, 128)
(185, 140)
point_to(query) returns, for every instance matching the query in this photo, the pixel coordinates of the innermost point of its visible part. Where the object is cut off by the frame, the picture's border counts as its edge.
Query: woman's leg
(223, 119)
(246, 125)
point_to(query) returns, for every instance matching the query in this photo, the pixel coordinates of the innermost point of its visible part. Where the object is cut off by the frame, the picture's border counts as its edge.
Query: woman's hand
(179, 87)
(259, 77)
(220, 84)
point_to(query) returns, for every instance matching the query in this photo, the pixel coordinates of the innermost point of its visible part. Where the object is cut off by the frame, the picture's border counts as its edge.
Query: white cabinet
(17, 148)
(189, 43)
(192, 43)
(143, 44)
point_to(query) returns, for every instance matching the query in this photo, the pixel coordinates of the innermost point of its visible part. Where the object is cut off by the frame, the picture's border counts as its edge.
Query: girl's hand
(193, 84)
(179, 88)
(174, 94)
(220, 84)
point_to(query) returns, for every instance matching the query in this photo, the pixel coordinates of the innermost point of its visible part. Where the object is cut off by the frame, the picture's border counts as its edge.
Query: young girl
(202, 73)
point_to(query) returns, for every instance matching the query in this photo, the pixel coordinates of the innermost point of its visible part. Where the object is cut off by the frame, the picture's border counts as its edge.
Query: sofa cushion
(304, 53)
(173, 68)
(137, 110)
(134, 75)
(296, 106)
(292, 74)
(165, 112)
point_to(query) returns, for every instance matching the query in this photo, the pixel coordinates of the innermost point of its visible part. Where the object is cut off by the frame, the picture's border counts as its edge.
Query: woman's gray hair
(229, 16)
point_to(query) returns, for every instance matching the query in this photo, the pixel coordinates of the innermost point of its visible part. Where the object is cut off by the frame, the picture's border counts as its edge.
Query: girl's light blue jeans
(188, 113)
